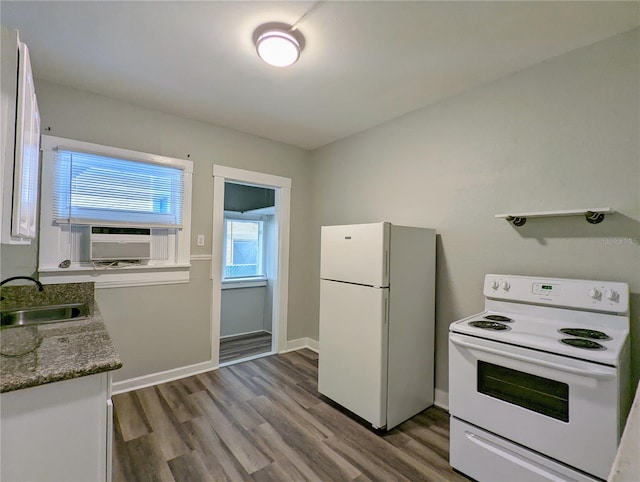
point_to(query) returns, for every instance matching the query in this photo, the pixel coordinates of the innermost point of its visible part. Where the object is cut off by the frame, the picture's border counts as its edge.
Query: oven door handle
(555, 366)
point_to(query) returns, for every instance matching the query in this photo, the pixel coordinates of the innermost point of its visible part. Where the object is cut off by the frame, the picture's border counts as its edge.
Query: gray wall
(158, 328)
(563, 134)
(18, 260)
(242, 311)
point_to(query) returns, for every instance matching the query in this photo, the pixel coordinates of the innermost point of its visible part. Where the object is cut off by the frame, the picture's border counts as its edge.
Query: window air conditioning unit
(109, 243)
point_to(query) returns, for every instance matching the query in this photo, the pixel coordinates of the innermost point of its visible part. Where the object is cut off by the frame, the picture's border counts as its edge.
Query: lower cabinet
(57, 432)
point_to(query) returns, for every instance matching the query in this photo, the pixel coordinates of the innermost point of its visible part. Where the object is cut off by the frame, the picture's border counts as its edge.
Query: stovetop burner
(536, 313)
(582, 343)
(585, 333)
(500, 318)
(489, 325)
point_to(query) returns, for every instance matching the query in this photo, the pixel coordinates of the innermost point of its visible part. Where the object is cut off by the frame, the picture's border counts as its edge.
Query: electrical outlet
(200, 240)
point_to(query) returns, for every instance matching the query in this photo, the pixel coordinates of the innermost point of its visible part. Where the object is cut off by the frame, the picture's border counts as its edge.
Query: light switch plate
(200, 240)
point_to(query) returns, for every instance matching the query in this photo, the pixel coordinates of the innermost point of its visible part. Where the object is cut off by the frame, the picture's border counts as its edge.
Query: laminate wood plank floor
(243, 346)
(264, 420)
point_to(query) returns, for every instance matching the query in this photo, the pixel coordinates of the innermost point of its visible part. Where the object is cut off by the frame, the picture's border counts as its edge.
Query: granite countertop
(47, 353)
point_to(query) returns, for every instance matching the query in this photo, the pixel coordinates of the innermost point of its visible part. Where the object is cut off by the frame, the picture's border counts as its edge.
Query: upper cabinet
(20, 167)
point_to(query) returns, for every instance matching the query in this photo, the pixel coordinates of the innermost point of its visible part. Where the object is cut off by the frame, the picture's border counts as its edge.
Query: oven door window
(539, 394)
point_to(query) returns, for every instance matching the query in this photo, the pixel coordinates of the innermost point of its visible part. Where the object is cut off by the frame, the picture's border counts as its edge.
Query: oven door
(561, 407)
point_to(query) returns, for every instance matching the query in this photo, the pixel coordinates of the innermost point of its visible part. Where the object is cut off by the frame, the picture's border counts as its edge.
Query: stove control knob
(506, 285)
(595, 294)
(494, 285)
(612, 295)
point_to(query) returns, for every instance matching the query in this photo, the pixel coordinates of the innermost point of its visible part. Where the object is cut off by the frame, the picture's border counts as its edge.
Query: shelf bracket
(594, 218)
(517, 221)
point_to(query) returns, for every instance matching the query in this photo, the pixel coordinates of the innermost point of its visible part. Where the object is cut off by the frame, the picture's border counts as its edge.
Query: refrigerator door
(353, 348)
(356, 253)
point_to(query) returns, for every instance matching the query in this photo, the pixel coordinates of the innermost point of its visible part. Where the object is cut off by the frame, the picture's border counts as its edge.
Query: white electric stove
(539, 381)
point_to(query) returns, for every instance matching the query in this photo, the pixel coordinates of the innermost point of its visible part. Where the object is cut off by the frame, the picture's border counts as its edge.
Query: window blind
(91, 188)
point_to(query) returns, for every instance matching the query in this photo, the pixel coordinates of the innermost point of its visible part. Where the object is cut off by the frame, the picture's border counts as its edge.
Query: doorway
(249, 264)
(249, 253)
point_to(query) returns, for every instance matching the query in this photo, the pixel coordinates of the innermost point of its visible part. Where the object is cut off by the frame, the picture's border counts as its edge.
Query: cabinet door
(55, 432)
(27, 154)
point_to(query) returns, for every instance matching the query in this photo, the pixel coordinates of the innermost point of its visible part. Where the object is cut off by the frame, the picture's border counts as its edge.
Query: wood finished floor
(242, 346)
(263, 420)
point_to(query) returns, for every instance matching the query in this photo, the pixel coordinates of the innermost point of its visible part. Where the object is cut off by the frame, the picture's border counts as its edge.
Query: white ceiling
(364, 62)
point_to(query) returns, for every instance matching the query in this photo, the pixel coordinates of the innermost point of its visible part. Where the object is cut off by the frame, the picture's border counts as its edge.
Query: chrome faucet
(29, 278)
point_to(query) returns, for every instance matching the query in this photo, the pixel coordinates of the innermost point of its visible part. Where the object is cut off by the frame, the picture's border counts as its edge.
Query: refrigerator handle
(385, 307)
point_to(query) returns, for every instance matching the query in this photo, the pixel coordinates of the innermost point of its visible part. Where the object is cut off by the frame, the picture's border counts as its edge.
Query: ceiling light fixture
(278, 44)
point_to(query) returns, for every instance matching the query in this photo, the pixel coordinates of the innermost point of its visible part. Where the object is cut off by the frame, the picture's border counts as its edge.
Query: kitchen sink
(43, 314)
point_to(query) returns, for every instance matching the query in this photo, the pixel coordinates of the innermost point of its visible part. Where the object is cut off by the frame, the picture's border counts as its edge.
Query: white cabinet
(19, 170)
(57, 432)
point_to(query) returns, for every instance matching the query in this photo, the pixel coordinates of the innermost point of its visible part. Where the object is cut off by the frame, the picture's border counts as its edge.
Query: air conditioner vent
(108, 243)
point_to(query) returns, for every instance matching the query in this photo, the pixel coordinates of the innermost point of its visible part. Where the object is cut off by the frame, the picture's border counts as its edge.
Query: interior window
(243, 249)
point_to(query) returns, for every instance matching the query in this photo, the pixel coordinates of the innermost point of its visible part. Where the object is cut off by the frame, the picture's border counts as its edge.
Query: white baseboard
(249, 358)
(313, 345)
(188, 371)
(293, 345)
(441, 399)
(245, 333)
(300, 343)
(161, 377)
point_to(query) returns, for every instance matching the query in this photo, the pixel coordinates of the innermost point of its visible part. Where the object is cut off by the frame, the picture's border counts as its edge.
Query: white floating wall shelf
(592, 215)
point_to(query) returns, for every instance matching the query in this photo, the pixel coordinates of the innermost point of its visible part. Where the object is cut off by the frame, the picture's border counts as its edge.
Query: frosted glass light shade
(278, 48)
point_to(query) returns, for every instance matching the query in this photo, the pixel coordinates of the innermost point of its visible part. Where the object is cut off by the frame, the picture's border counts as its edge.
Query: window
(96, 189)
(243, 249)
(85, 184)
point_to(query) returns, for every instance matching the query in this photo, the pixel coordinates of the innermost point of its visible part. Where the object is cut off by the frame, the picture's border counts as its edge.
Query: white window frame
(246, 279)
(55, 238)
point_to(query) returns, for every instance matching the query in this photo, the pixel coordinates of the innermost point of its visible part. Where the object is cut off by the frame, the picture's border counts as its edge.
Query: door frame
(282, 188)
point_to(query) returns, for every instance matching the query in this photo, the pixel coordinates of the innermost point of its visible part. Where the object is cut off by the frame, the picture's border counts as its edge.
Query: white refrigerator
(377, 304)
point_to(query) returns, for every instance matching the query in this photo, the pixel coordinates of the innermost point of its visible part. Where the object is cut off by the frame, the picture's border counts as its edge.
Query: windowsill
(236, 283)
(85, 267)
(145, 275)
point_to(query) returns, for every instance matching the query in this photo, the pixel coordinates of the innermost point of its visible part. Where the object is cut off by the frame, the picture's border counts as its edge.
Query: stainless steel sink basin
(43, 314)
